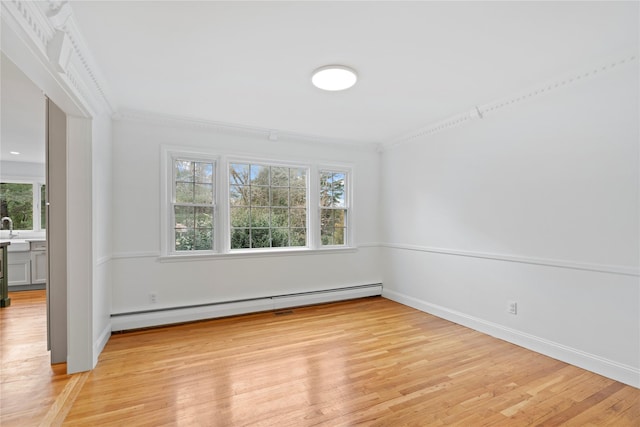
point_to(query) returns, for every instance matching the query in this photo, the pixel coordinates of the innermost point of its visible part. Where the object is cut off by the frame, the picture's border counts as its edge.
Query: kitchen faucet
(6, 218)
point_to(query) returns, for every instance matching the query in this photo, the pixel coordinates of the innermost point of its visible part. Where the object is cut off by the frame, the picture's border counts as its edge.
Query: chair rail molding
(600, 268)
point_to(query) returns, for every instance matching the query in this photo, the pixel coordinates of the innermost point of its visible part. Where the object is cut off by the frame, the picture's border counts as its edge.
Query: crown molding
(480, 111)
(241, 130)
(50, 30)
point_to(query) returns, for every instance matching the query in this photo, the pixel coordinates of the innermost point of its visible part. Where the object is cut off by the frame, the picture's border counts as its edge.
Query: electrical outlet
(512, 307)
(153, 297)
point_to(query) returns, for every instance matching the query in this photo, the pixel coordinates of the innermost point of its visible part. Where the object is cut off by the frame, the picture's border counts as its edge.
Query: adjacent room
(320, 213)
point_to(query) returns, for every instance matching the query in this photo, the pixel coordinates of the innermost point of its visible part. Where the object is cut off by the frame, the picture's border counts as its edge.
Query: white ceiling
(250, 63)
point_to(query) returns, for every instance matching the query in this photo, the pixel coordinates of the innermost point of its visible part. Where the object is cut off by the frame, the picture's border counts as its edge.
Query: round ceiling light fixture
(334, 77)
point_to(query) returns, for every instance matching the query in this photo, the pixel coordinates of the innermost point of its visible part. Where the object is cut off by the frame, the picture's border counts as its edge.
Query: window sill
(255, 253)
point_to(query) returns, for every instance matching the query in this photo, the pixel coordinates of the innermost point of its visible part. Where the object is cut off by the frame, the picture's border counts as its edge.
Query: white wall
(102, 208)
(22, 170)
(137, 270)
(536, 203)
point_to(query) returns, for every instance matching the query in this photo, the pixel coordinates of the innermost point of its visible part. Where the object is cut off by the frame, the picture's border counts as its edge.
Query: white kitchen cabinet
(38, 267)
(19, 268)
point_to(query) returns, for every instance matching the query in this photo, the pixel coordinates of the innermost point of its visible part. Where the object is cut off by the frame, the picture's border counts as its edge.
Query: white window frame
(222, 208)
(167, 220)
(347, 170)
(36, 203)
(272, 163)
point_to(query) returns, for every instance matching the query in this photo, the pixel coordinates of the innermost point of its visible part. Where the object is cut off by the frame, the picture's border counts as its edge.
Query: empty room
(320, 213)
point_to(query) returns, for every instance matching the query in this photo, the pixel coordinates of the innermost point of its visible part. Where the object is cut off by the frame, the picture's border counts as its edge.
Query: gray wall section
(57, 232)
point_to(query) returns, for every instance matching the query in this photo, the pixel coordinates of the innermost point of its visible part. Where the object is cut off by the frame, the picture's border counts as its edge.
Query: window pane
(326, 218)
(279, 177)
(280, 197)
(204, 172)
(338, 236)
(326, 235)
(260, 217)
(184, 217)
(204, 217)
(339, 218)
(16, 202)
(279, 237)
(298, 218)
(239, 174)
(298, 237)
(338, 190)
(239, 195)
(240, 238)
(268, 221)
(259, 175)
(203, 239)
(185, 239)
(326, 195)
(280, 217)
(184, 192)
(239, 217)
(298, 197)
(193, 228)
(260, 238)
(184, 170)
(203, 193)
(298, 177)
(259, 196)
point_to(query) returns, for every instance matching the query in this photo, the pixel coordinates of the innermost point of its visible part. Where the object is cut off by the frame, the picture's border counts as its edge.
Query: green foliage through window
(16, 202)
(193, 206)
(268, 206)
(333, 208)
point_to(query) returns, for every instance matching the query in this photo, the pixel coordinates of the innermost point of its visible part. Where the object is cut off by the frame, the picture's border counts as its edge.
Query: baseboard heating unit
(170, 315)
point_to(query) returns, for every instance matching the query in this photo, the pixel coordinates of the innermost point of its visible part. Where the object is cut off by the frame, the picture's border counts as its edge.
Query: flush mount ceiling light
(15, 153)
(334, 77)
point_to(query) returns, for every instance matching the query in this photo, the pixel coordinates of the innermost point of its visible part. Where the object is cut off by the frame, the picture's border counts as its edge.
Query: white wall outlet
(153, 297)
(512, 307)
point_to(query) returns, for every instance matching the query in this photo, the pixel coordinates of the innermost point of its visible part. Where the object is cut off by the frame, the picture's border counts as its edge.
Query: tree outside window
(17, 203)
(333, 208)
(193, 207)
(267, 206)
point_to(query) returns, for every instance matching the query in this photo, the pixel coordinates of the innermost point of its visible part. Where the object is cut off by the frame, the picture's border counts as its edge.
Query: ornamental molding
(50, 28)
(480, 111)
(266, 134)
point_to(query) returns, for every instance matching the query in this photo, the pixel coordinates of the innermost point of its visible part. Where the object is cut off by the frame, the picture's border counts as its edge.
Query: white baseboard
(608, 368)
(102, 340)
(144, 319)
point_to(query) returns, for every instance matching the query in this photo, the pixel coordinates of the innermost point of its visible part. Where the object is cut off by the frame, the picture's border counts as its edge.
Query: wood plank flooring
(365, 362)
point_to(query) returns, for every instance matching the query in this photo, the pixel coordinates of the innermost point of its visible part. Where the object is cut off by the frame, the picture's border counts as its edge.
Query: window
(193, 204)
(223, 205)
(267, 206)
(334, 208)
(24, 204)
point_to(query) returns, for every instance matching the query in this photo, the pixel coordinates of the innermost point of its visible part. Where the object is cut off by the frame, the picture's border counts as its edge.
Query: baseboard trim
(102, 340)
(172, 315)
(608, 368)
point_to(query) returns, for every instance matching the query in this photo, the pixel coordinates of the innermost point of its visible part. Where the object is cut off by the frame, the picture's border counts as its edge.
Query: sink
(17, 245)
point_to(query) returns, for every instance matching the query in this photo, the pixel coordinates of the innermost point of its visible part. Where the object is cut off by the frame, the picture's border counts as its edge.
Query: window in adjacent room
(267, 206)
(193, 204)
(24, 204)
(334, 208)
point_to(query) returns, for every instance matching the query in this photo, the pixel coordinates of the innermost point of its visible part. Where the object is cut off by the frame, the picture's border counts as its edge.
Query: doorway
(30, 124)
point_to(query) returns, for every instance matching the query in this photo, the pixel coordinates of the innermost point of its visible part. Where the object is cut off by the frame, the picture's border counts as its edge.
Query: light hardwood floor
(363, 362)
